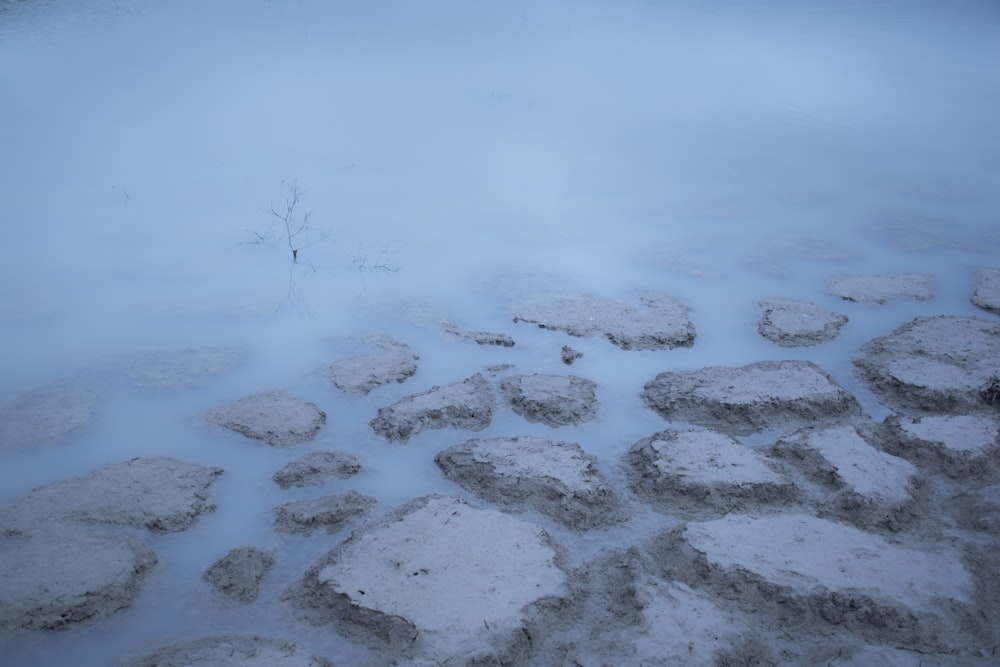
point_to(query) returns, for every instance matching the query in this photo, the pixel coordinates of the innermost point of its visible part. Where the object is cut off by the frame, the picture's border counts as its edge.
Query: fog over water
(480, 152)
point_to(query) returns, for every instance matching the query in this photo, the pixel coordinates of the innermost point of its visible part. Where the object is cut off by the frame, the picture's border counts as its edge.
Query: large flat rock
(160, 494)
(943, 364)
(467, 404)
(230, 651)
(55, 578)
(792, 323)
(275, 417)
(701, 469)
(394, 362)
(882, 288)
(745, 399)
(958, 446)
(556, 400)
(987, 294)
(438, 581)
(48, 413)
(661, 324)
(555, 478)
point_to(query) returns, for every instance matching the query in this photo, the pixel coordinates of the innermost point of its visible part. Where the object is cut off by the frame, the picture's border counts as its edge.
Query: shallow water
(718, 151)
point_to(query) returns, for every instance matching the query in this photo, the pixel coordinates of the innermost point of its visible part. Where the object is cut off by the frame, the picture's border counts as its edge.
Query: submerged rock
(662, 325)
(54, 578)
(556, 400)
(742, 400)
(437, 581)
(173, 367)
(275, 417)
(161, 494)
(230, 651)
(792, 323)
(238, 574)
(467, 404)
(46, 413)
(359, 375)
(987, 294)
(555, 478)
(316, 468)
(942, 364)
(882, 288)
(329, 512)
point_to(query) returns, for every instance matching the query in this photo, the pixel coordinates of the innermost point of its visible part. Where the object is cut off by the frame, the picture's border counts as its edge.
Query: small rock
(47, 413)
(569, 355)
(556, 400)
(316, 468)
(791, 323)
(230, 651)
(275, 417)
(882, 288)
(359, 375)
(329, 512)
(467, 404)
(238, 574)
(556, 478)
(987, 294)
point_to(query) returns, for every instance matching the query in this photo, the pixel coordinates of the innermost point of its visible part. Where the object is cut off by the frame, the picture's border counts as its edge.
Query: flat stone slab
(882, 288)
(745, 399)
(987, 294)
(699, 469)
(792, 323)
(555, 478)
(467, 404)
(330, 513)
(823, 573)
(230, 651)
(275, 417)
(158, 493)
(940, 364)
(238, 574)
(395, 362)
(662, 324)
(956, 445)
(47, 413)
(439, 581)
(174, 367)
(316, 468)
(52, 579)
(556, 400)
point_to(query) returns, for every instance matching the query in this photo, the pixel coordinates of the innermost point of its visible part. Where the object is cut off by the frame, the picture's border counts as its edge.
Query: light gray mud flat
(47, 413)
(160, 494)
(230, 651)
(316, 468)
(792, 323)
(395, 362)
(555, 478)
(467, 404)
(61, 576)
(662, 324)
(745, 399)
(700, 470)
(819, 581)
(556, 400)
(438, 581)
(859, 483)
(987, 294)
(945, 364)
(958, 446)
(882, 288)
(238, 574)
(329, 512)
(275, 417)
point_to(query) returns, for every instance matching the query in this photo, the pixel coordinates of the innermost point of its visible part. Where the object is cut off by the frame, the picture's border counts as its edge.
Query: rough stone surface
(662, 325)
(556, 478)
(569, 355)
(467, 404)
(987, 294)
(230, 651)
(395, 362)
(275, 417)
(173, 367)
(46, 413)
(943, 364)
(956, 445)
(161, 494)
(330, 513)
(556, 400)
(792, 323)
(238, 574)
(316, 468)
(700, 469)
(742, 400)
(882, 288)
(51, 579)
(437, 581)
